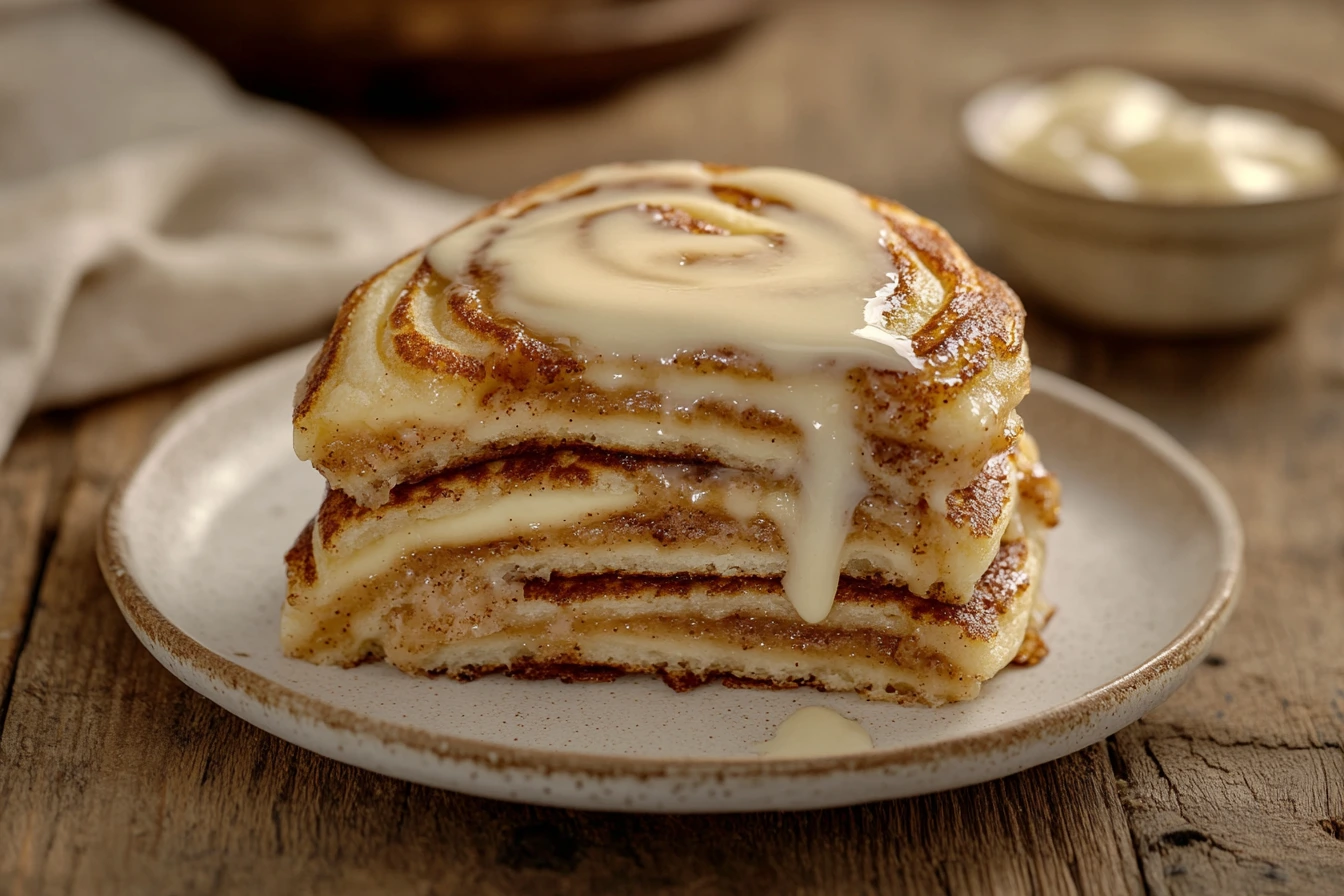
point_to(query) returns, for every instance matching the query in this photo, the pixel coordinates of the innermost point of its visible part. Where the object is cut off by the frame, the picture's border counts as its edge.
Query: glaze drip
(647, 263)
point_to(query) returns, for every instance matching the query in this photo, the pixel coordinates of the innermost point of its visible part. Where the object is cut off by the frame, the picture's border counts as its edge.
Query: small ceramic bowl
(1160, 268)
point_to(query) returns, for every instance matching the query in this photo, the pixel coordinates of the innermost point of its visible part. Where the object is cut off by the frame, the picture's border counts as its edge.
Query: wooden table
(116, 778)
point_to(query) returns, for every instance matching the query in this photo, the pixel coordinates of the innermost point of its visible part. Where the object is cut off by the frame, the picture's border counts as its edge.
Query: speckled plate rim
(1159, 674)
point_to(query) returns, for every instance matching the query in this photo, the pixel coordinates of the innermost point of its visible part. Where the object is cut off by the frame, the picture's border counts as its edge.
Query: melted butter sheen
(816, 731)
(647, 262)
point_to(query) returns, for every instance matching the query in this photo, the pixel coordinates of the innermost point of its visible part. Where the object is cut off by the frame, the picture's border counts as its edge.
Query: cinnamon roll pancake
(676, 418)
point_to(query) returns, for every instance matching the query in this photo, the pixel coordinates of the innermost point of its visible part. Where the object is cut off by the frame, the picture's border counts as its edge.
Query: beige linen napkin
(154, 220)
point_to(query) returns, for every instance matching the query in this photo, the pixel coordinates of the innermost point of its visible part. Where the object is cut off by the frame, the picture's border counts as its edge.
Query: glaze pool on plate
(1143, 568)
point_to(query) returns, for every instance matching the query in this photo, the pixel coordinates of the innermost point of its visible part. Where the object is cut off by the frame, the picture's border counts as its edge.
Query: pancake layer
(691, 420)
(593, 512)
(446, 612)
(422, 374)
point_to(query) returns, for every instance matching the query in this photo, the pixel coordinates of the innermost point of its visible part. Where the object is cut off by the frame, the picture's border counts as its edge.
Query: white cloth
(154, 220)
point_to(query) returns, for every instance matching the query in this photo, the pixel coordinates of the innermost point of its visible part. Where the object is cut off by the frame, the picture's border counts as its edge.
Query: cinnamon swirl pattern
(675, 397)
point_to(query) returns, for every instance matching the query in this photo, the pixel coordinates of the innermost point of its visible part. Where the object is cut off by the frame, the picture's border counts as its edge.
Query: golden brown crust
(1041, 490)
(323, 367)
(300, 563)
(979, 506)
(1034, 648)
(573, 670)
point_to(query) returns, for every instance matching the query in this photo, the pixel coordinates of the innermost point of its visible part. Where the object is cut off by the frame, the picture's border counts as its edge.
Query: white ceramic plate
(1144, 569)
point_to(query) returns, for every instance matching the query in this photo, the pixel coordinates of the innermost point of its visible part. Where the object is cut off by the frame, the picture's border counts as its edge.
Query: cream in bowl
(1121, 135)
(1161, 204)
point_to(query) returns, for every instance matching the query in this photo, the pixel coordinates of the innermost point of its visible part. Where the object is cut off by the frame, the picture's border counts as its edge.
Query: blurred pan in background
(430, 57)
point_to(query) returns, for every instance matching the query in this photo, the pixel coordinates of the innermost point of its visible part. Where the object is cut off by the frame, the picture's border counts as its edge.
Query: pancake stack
(694, 421)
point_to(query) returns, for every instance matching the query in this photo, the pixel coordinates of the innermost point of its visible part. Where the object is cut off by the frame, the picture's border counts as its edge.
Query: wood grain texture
(32, 477)
(116, 778)
(1237, 783)
(65, 684)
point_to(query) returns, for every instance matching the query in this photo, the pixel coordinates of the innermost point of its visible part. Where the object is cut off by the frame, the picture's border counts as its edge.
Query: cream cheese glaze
(816, 731)
(645, 260)
(650, 261)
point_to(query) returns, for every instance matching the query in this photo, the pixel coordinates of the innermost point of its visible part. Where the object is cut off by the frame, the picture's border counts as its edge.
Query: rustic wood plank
(1237, 783)
(32, 477)
(116, 778)
(1256, 410)
(156, 789)
(43, 729)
